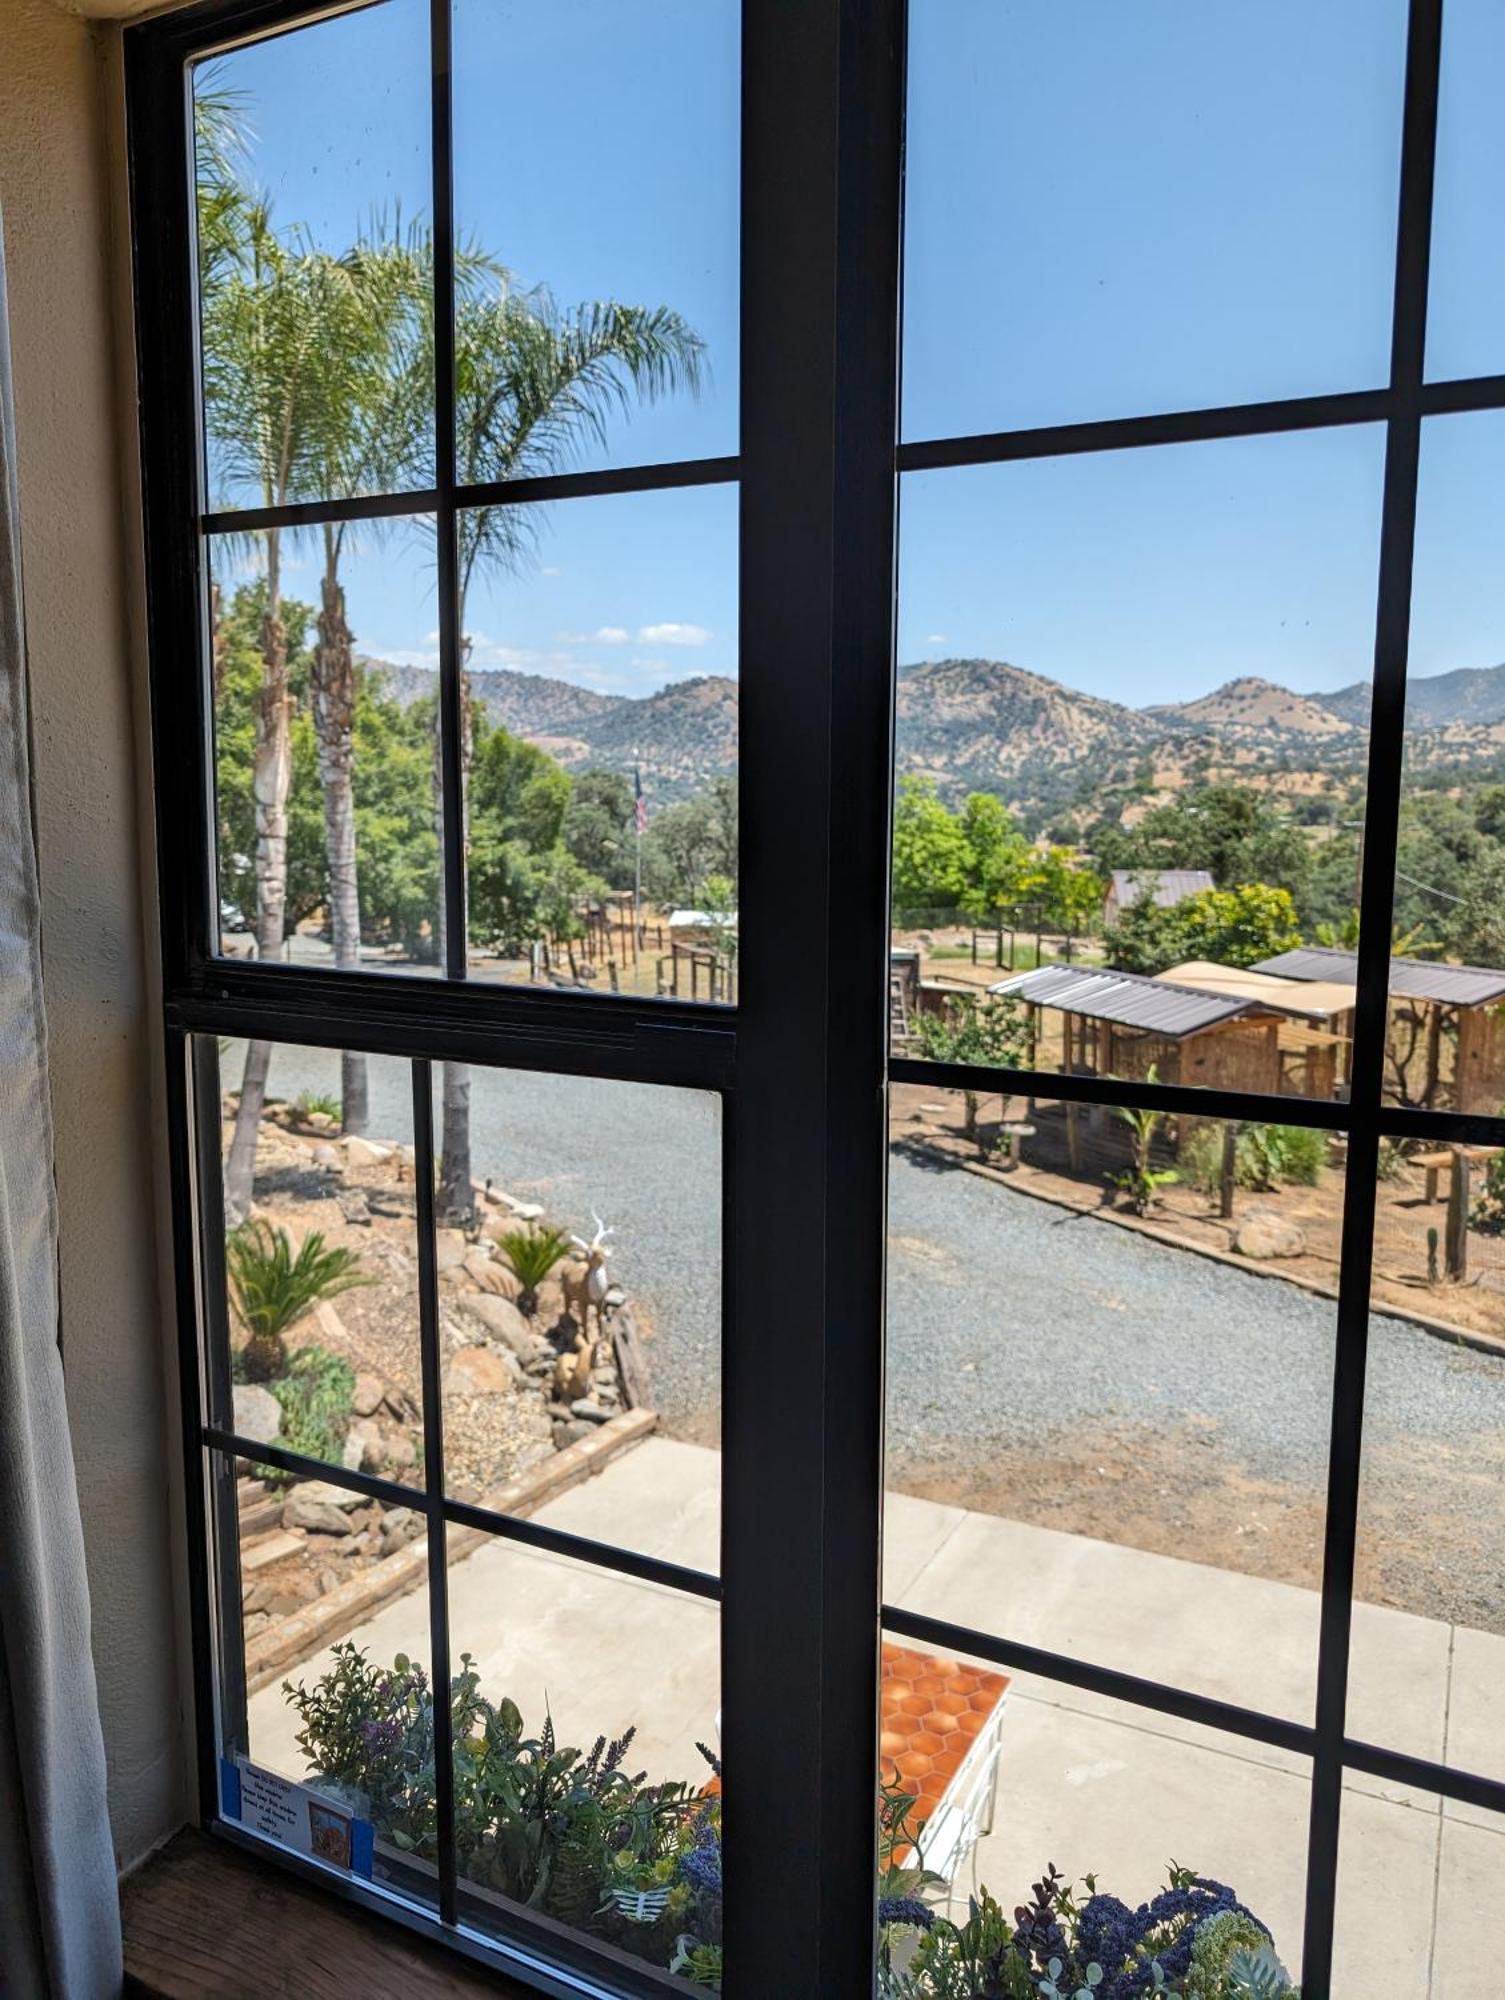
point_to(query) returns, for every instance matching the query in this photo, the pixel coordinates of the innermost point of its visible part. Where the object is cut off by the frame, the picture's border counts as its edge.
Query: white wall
(61, 188)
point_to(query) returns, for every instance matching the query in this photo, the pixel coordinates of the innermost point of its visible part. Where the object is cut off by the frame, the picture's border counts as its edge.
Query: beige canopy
(1312, 999)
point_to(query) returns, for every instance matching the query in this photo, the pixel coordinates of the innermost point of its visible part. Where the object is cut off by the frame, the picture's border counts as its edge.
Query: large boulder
(366, 1153)
(368, 1395)
(309, 1509)
(485, 1370)
(504, 1322)
(450, 1246)
(257, 1413)
(1262, 1233)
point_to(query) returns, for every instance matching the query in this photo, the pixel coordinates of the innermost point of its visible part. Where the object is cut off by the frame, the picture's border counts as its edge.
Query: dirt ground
(1403, 1214)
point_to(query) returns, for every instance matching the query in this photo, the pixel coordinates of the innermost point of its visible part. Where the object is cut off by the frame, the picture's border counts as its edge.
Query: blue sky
(1114, 206)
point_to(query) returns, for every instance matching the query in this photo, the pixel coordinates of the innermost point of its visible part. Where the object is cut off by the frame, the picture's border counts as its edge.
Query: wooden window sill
(206, 1921)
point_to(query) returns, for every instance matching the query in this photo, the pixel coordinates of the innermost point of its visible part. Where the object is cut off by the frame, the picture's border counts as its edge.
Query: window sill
(206, 1921)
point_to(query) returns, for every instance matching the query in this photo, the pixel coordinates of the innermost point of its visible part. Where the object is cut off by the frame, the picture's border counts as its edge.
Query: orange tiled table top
(931, 1710)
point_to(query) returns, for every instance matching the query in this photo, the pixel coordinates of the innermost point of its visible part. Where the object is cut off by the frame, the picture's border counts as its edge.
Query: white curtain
(59, 1910)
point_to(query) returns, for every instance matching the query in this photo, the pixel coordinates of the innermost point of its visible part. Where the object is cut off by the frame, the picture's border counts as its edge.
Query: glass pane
(1435, 1860)
(1113, 211)
(315, 260)
(1429, 1629)
(1110, 1351)
(327, 820)
(581, 1304)
(601, 664)
(1131, 739)
(1445, 1047)
(597, 316)
(591, 1698)
(320, 1576)
(1466, 301)
(321, 1255)
(1050, 1791)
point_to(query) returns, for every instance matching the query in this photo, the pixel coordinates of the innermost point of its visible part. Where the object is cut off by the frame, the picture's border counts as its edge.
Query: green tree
(931, 854)
(1230, 830)
(1236, 926)
(689, 843)
(599, 826)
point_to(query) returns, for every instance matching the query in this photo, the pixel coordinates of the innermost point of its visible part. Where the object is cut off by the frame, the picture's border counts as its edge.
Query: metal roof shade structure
(1311, 999)
(1131, 999)
(1410, 978)
(1165, 887)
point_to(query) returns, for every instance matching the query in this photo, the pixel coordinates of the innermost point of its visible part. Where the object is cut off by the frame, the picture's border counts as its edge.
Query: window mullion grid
(1386, 751)
(433, 1479)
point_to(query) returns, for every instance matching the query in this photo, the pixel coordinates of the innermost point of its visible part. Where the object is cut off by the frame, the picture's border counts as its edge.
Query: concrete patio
(1087, 1783)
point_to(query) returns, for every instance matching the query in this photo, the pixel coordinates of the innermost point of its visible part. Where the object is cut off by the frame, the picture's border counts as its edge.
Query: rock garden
(540, 1358)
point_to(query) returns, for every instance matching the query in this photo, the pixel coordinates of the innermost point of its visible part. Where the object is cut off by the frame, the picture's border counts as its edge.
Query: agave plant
(271, 1288)
(533, 1253)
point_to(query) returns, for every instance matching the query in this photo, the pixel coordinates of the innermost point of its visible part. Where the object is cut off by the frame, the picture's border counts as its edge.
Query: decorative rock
(398, 1526)
(486, 1370)
(524, 1211)
(570, 1433)
(367, 1399)
(400, 1451)
(504, 1322)
(366, 1153)
(254, 1622)
(257, 1413)
(324, 1155)
(320, 1122)
(316, 1517)
(353, 1452)
(353, 1206)
(589, 1412)
(492, 1275)
(1265, 1234)
(292, 1596)
(450, 1249)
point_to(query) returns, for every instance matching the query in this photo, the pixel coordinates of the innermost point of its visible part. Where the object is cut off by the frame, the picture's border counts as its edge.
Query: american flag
(642, 803)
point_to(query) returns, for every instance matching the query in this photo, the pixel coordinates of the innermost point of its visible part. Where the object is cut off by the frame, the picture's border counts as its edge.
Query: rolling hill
(987, 725)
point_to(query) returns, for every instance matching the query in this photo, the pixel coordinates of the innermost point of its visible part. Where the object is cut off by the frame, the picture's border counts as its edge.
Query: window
(831, 1072)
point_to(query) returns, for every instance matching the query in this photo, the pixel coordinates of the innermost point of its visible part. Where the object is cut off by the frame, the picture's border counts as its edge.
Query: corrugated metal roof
(1171, 885)
(1410, 978)
(1128, 998)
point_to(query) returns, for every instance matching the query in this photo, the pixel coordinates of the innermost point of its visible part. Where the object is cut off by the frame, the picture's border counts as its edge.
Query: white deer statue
(586, 1285)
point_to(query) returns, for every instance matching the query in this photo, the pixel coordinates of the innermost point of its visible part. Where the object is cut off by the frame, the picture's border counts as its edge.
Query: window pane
(623, 1841)
(601, 660)
(1466, 303)
(1112, 211)
(1439, 1863)
(1444, 1046)
(598, 325)
(1055, 1782)
(1108, 1401)
(1132, 736)
(327, 819)
(323, 1575)
(315, 260)
(1429, 1629)
(321, 1255)
(581, 1304)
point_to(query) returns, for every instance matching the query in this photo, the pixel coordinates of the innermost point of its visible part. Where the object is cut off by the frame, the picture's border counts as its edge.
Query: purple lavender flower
(905, 1910)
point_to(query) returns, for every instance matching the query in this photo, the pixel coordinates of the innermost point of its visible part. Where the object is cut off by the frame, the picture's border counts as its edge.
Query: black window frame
(818, 475)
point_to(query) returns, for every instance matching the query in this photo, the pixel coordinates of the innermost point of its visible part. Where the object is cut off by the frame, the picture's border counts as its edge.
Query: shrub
(312, 1103)
(316, 1395)
(1265, 1157)
(533, 1253)
(271, 1288)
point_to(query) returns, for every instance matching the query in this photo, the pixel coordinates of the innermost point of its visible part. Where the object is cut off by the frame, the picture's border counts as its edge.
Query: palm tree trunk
(333, 682)
(271, 778)
(456, 1200)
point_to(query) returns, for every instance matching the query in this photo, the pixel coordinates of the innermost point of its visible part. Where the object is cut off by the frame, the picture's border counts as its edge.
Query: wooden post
(1457, 1224)
(1434, 1055)
(998, 947)
(1230, 1164)
(1073, 1139)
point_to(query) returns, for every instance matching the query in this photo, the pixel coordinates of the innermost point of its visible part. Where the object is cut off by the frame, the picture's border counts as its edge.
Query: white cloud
(613, 635)
(549, 569)
(935, 639)
(672, 635)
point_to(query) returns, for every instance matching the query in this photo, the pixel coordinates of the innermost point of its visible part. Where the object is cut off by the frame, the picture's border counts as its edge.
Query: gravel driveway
(1040, 1363)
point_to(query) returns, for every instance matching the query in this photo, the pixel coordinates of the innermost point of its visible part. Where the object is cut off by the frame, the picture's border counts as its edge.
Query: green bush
(271, 1288)
(533, 1253)
(316, 1396)
(1265, 1157)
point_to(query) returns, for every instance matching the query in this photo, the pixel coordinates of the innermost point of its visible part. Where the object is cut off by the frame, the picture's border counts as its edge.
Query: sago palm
(272, 1288)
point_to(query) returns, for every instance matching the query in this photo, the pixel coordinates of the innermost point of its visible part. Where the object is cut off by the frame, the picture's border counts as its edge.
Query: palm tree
(375, 415)
(531, 384)
(268, 384)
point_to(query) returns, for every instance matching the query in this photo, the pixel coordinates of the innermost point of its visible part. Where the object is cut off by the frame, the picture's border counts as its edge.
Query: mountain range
(986, 725)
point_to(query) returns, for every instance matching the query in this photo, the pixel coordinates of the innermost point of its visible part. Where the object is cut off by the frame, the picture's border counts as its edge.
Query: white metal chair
(949, 1841)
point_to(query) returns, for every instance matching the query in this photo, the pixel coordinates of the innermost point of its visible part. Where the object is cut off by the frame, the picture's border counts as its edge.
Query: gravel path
(1040, 1363)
